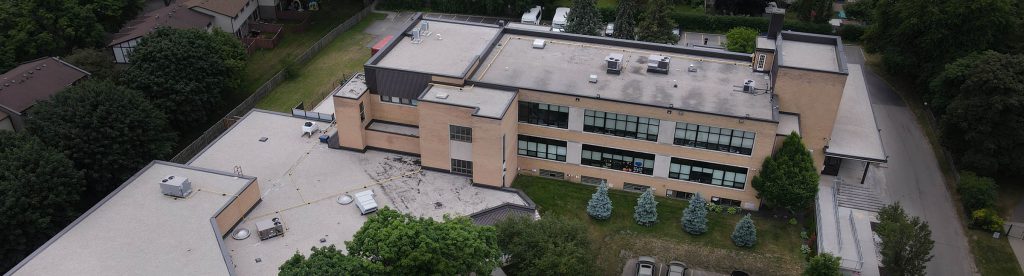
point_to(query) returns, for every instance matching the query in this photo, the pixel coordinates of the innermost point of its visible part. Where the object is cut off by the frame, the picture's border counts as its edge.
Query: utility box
(270, 228)
(365, 202)
(176, 186)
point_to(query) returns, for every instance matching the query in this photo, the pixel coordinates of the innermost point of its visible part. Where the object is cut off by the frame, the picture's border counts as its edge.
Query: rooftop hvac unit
(748, 86)
(270, 228)
(538, 43)
(614, 61)
(365, 202)
(658, 64)
(309, 128)
(417, 36)
(424, 28)
(176, 186)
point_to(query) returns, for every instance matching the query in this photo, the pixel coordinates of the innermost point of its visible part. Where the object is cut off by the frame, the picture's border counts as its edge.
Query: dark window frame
(588, 180)
(462, 167)
(525, 141)
(362, 112)
(460, 133)
(617, 159)
(544, 114)
(622, 125)
(714, 138)
(633, 187)
(708, 173)
(399, 100)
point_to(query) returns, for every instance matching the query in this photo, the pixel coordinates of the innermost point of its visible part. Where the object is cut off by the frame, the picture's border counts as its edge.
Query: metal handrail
(856, 243)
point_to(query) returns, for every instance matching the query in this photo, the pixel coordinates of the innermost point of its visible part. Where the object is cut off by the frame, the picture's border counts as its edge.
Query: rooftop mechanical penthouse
(493, 102)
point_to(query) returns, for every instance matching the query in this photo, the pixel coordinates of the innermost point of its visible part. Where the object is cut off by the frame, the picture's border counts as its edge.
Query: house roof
(176, 15)
(229, 8)
(493, 215)
(36, 80)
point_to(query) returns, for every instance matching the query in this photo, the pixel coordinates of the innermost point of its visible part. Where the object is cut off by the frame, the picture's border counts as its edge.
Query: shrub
(792, 221)
(733, 210)
(805, 249)
(600, 206)
(714, 208)
(824, 264)
(851, 33)
(976, 192)
(695, 216)
(987, 219)
(745, 233)
(646, 211)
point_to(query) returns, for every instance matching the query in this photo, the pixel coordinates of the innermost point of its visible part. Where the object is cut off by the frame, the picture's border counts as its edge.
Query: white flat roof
(459, 45)
(809, 55)
(788, 123)
(855, 133)
(136, 230)
(488, 102)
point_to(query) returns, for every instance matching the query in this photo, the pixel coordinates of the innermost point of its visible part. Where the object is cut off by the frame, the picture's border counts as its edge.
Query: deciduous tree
(656, 25)
(97, 62)
(600, 206)
(906, 241)
(817, 11)
(646, 211)
(33, 29)
(788, 179)
(741, 39)
(583, 18)
(328, 260)
(108, 131)
(695, 216)
(550, 246)
(625, 19)
(39, 194)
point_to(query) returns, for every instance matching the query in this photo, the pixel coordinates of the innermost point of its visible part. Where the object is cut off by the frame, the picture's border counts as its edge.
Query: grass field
(993, 256)
(311, 83)
(776, 253)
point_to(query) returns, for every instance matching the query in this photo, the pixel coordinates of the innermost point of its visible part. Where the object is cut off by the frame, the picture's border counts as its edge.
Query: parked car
(531, 16)
(676, 269)
(558, 21)
(609, 30)
(645, 266)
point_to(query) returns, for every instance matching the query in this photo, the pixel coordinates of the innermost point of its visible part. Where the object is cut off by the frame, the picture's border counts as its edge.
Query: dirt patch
(696, 256)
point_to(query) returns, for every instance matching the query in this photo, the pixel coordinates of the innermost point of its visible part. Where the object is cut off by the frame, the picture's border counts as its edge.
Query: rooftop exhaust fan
(176, 186)
(658, 64)
(539, 43)
(614, 61)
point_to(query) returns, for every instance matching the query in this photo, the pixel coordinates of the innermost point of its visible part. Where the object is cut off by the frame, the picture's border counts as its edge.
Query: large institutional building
(493, 102)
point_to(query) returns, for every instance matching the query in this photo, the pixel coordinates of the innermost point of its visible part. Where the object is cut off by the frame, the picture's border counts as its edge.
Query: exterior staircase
(858, 196)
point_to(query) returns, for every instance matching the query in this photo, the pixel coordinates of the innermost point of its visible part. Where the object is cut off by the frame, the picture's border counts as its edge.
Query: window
(462, 167)
(616, 159)
(397, 100)
(461, 133)
(708, 173)
(760, 61)
(552, 174)
(362, 112)
(679, 194)
(634, 187)
(725, 201)
(592, 180)
(622, 125)
(542, 148)
(714, 138)
(544, 114)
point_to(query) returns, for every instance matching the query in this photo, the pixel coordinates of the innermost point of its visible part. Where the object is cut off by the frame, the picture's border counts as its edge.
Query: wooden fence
(249, 103)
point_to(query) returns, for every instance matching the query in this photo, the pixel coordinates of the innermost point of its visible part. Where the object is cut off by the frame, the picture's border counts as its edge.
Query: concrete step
(858, 197)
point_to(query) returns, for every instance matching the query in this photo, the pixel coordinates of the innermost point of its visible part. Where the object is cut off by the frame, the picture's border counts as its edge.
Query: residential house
(176, 15)
(30, 82)
(232, 16)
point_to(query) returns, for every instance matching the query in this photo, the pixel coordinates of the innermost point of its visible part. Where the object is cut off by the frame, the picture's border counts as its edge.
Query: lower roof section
(488, 102)
(855, 132)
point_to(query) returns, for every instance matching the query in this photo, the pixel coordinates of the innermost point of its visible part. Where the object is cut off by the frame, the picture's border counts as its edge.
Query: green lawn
(311, 83)
(993, 256)
(777, 251)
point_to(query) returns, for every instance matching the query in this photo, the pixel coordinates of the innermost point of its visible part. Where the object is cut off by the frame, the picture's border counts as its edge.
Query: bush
(976, 192)
(987, 219)
(695, 216)
(851, 33)
(741, 39)
(745, 233)
(714, 208)
(733, 210)
(824, 264)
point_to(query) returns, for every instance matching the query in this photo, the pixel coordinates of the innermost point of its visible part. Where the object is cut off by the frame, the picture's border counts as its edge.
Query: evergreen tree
(695, 216)
(823, 264)
(646, 210)
(625, 20)
(657, 24)
(788, 179)
(745, 233)
(600, 206)
(583, 18)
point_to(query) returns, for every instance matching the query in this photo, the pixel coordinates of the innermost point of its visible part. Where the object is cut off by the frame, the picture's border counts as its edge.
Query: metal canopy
(855, 134)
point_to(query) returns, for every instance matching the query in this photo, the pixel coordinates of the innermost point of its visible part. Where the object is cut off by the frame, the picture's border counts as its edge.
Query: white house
(232, 16)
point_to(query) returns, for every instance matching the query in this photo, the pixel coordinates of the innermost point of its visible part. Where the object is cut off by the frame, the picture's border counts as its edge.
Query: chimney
(776, 16)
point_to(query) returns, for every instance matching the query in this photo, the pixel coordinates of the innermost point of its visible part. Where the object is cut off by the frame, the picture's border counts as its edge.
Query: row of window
(617, 159)
(542, 148)
(708, 173)
(639, 188)
(621, 125)
(544, 114)
(397, 100)
(714, 138)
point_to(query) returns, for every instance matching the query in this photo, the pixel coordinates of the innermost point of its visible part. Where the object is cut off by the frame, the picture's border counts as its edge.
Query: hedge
(722, 24)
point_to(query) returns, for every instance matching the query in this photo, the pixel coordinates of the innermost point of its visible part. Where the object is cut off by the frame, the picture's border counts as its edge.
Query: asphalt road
(913, 177)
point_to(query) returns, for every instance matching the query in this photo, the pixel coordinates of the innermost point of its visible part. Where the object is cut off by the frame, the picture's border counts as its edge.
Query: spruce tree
(646, 210)
(625, 20)
(583, 18)
(600, 206)
(656, 25)
(745, 233)
(695, 216)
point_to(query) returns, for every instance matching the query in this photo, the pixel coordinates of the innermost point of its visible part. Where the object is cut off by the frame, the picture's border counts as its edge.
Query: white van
(558, 22)
(531, 16)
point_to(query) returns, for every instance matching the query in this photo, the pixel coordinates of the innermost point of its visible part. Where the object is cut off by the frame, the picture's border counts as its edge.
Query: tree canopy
(95, 61)
(551, 246)
(39, 193)
(185, 72)
(112, 13)
(788, 179)
(328, 260)
(625, 19)
(583, 18)
(824, 264)
(918, 37)
(906, 241)
(741, 39)
(817, 11)
(108, 131)
(979, 98)
(740, 7)
(656, 25)
(33, 29)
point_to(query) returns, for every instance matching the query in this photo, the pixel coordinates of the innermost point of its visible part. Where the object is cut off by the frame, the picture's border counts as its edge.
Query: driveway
(913, 177)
